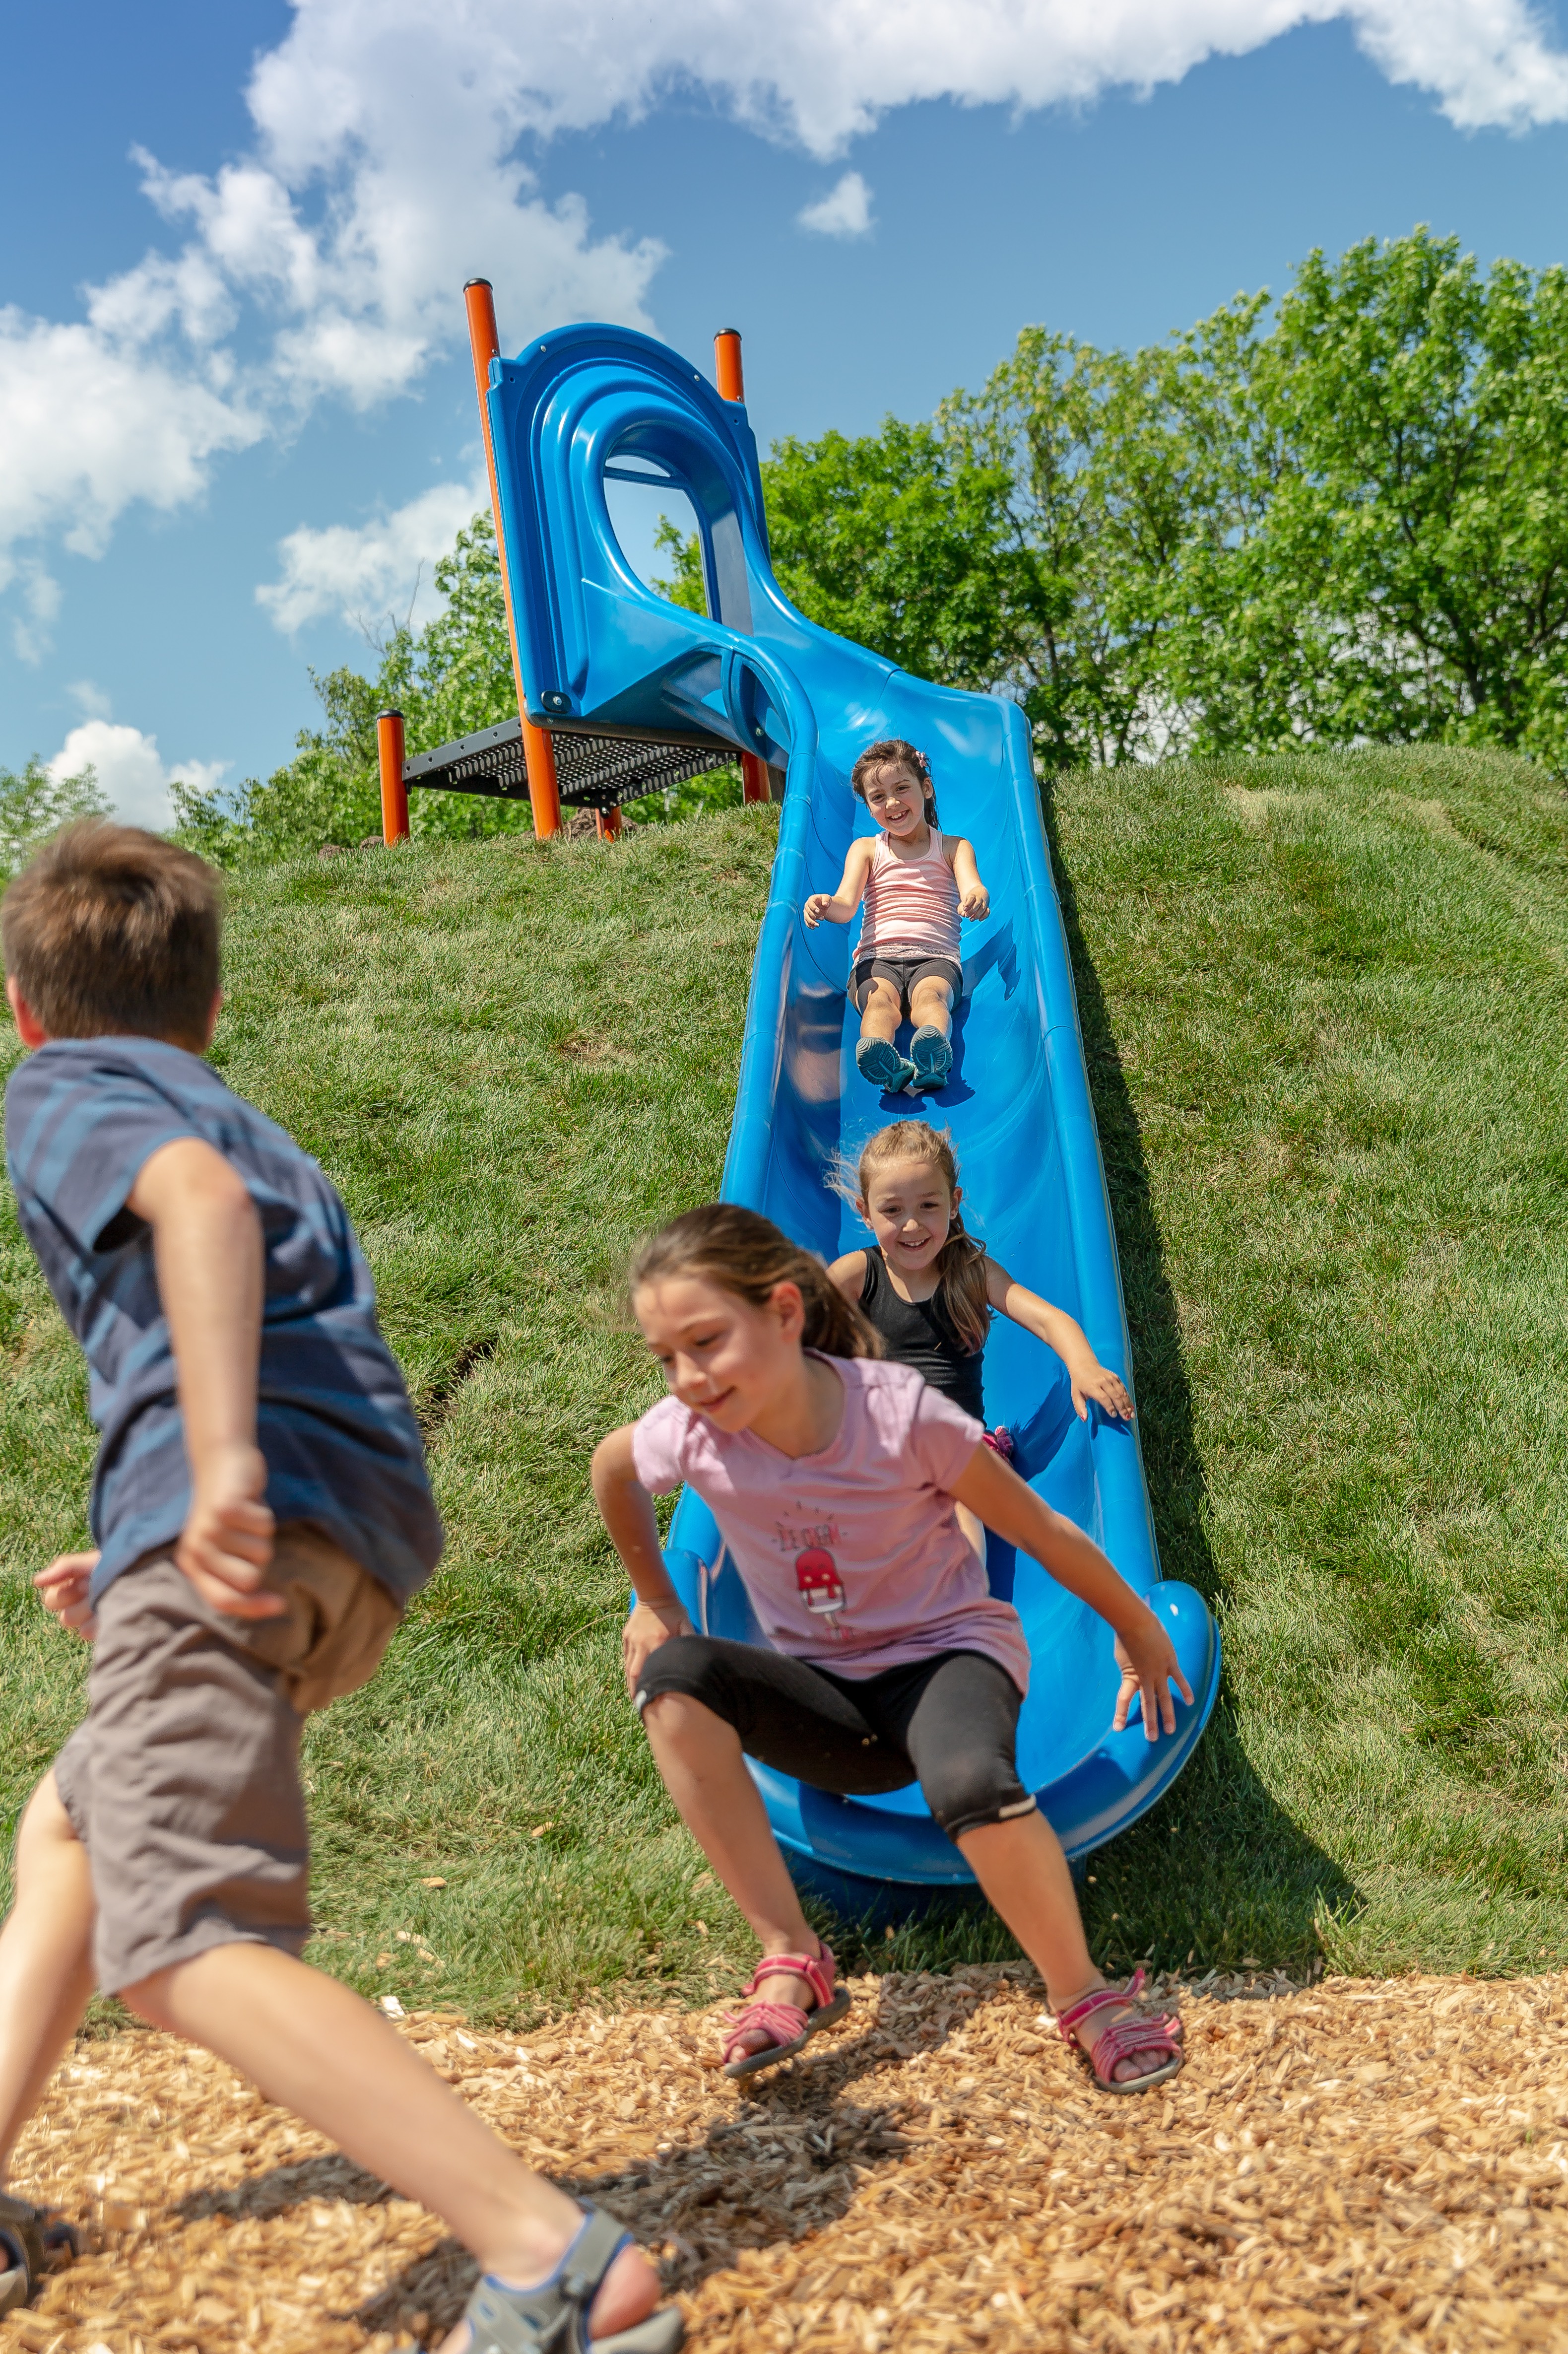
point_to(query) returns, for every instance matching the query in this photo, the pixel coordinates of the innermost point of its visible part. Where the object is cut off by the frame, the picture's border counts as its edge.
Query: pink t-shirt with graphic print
(853, 1558)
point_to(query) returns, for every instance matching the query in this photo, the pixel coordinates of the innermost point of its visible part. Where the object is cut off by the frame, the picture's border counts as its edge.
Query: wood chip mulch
(1352, 2165)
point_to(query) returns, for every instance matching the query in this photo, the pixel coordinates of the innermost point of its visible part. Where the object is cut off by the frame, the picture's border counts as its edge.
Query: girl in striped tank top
(917, 883)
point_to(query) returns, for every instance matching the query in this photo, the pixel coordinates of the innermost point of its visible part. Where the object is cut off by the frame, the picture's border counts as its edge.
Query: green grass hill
(1326, 1005)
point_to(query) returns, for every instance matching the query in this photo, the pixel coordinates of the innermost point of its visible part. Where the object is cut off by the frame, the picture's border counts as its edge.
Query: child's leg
(961, 1734)
(200, 1857)
(796, 1719)
(880, 1010)
(931, 1004)
(317, 2048)
(45, 1960)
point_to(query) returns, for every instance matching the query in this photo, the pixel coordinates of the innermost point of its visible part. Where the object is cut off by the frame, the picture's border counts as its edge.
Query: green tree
(1421, 527)
(35, 804)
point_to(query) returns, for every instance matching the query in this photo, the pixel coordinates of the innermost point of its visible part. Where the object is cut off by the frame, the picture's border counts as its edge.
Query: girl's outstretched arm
(1089, 1378)
(974, 899)
(1143, 1648)
(627, 1510)
(839, 905)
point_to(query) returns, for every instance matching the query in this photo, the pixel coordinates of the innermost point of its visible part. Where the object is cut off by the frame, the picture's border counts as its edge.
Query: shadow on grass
(1217, 1874)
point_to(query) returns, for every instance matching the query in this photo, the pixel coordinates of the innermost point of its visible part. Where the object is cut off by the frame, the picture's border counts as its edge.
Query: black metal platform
(594, 770)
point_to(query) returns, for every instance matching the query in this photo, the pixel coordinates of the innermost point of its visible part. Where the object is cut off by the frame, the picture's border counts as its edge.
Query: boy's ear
(213, 1011)
(30, 1029)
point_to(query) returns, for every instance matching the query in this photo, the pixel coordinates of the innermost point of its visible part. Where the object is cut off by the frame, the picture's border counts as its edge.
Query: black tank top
(918, 1332)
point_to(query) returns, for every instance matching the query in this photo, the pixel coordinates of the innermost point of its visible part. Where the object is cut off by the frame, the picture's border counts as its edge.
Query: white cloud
(390, 159)
(844, 211)
(89, 699)
(377, 568)
(30, 631)
(131, 770)
(88, 426)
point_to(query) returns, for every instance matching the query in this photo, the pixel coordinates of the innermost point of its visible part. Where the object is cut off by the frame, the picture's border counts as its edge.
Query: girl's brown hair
(745, 1254)
(893, 752)
(963, 1293)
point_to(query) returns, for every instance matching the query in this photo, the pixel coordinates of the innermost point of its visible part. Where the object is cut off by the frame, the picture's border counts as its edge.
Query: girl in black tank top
(931, 1290)
(921, 1333)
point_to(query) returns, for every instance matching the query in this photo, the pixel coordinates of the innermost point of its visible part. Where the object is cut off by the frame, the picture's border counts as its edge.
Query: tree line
(1341, 518)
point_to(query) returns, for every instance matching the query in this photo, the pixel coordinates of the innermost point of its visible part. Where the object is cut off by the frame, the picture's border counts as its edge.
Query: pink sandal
(1150, 2031)
(788, 2025)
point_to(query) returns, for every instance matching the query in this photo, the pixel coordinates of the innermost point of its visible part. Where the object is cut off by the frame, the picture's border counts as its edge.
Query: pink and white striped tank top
(911, 904)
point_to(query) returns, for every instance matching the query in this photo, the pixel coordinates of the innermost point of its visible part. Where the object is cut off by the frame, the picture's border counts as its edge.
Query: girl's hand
(644, 1631)
(1107, 1389)
(62, 1589)
(974, 904)
(1147, 1659)
(816, 907)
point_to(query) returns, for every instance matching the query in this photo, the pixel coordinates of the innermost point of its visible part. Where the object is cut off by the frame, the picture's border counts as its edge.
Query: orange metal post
(544, 791)
(726, 365)
(732, 387)
(609, 824)
(394, 791)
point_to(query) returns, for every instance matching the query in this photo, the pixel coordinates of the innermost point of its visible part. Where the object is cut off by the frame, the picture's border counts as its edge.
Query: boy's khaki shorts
(183, 1783)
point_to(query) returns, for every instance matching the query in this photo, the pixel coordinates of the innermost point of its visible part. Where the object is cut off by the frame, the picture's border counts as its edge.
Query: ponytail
(745, 1254)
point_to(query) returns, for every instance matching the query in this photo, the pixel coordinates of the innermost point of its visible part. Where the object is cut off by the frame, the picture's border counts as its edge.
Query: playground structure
(620, 691)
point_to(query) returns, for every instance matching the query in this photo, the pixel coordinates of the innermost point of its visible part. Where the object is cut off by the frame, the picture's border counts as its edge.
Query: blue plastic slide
(600, 649)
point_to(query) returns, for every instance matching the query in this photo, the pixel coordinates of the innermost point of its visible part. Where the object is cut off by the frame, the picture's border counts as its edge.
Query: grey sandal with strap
(553, 2317)
(33, 2241)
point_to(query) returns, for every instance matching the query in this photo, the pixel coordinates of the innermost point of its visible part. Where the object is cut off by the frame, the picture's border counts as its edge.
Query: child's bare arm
(838, 907)
(974, 899)
(627, 1510)
(849, 1274)
(207, 1250)
(1144, 1650)
(1059, 1330)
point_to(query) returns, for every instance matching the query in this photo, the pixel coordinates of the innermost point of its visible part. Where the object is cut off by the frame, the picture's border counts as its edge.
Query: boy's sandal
(786, 2022)
(33, 2241)
(1146, 2031)
(553, 2317)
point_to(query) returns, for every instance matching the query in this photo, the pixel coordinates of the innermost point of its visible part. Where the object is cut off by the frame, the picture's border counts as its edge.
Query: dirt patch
(1354, 2165)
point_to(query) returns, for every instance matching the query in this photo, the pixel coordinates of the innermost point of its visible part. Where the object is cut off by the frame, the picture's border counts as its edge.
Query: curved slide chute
(602, 654)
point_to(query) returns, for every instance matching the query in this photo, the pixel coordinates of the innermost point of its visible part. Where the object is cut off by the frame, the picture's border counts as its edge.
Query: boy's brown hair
(109, 931)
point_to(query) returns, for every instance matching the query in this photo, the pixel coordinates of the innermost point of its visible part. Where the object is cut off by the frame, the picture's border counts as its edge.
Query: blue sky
(230, 316)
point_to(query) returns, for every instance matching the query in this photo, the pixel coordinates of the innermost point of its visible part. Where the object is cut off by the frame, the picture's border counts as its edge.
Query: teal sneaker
(883, 1066)
(931, 1057)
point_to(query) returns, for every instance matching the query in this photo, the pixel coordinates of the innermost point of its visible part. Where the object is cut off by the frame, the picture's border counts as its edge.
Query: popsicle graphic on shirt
(818, 1581)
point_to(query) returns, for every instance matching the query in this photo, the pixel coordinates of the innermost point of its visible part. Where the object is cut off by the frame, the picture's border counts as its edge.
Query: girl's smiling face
(897, 799)
(721, 1356)
(909, 1208)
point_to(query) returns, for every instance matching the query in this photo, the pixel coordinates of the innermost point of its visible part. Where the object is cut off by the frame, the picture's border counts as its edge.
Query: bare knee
(931, 1001)
(883, 1004)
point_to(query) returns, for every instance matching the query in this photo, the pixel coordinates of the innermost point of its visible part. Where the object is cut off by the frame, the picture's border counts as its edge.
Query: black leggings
(948, 1722)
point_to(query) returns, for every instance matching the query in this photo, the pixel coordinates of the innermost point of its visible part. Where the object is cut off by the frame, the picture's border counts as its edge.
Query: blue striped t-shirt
(83, 1116)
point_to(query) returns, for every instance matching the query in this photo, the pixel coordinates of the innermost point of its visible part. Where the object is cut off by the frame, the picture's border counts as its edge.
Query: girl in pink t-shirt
(834, 1478)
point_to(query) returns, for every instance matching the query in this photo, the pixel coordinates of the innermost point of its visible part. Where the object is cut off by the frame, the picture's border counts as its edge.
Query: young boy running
(261, 1515)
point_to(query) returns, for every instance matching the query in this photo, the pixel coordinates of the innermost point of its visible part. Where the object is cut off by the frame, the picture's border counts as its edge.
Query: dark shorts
(948, 1722)
(183, 1783)
(905, 974)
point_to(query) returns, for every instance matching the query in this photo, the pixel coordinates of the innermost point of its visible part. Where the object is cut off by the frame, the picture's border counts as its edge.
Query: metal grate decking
(594, 770)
